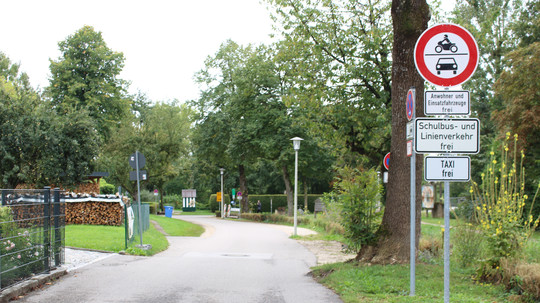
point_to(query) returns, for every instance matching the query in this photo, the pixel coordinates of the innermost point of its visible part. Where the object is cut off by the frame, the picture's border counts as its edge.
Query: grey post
(47, 227)
(139, 196)
(413, 210)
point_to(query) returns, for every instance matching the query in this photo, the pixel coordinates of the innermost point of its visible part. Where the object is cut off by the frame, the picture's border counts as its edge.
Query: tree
(38, 146)
(240, 111)
(410, 19)
(160, 133)
(335, 58)
(489, 21)
(85, 76)
(166, 133)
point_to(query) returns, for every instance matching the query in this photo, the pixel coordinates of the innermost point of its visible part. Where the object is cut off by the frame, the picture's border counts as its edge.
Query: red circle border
(421, 45)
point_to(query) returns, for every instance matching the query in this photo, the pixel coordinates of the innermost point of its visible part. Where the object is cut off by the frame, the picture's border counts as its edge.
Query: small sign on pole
(453, 169)
(386, 161)
(218, 196)
(447, 103)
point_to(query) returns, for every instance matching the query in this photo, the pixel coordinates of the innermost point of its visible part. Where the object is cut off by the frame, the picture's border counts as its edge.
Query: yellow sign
(218, 196)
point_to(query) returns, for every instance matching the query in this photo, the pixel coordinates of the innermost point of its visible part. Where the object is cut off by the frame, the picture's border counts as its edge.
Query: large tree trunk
(243, 188)
(288, 189)
(410, 18)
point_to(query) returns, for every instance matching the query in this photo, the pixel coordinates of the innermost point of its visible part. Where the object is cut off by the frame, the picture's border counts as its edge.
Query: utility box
(188, 199)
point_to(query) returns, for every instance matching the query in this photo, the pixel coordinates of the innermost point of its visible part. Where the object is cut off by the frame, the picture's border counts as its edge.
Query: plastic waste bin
(168, 211)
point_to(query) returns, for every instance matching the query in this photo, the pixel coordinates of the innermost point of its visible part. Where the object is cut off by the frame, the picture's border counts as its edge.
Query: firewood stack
(94, 209)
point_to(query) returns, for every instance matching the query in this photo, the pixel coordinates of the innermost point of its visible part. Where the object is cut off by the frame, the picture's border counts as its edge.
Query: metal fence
(133, 235)
(32, 233)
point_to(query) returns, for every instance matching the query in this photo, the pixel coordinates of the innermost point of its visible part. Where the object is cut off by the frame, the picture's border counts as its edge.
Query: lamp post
(296, 145)
(221, 170)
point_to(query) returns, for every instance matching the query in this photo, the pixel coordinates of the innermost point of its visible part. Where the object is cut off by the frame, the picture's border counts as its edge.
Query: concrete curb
(19, 289)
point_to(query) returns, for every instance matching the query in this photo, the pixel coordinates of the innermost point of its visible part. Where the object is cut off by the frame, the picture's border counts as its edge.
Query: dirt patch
(327, 251)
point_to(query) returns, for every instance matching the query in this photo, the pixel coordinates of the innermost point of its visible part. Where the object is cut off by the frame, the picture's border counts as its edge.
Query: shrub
(429, 248)
(153, 207)
(20, 250)
(468, 245)
(522, 278)
(173, 200)
(357, 192)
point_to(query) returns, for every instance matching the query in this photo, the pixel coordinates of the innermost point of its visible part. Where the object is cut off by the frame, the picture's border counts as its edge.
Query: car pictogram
(446, 64)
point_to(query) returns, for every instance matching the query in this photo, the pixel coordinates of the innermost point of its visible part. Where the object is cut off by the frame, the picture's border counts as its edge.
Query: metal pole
(57, 245)
(446, 242)
(46, 227)
(222, 195)
(139, 195)
(413, 211)
(295, 188)
(413, 226)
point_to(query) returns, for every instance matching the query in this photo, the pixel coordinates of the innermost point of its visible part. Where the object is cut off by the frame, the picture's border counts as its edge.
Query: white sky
(165, 42)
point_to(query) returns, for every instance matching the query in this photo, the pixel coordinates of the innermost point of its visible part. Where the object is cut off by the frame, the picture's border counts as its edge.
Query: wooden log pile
(94, 213)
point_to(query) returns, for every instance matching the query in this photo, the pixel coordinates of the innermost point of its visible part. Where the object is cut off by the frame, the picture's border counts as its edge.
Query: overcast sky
(165, 42)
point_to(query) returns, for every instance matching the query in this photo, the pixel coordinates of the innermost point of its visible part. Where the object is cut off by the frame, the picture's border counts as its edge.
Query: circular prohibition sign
(446, 55)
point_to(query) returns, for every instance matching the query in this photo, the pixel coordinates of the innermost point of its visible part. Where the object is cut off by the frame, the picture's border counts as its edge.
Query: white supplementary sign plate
(446, 103)
(452, 169)
(447, 136)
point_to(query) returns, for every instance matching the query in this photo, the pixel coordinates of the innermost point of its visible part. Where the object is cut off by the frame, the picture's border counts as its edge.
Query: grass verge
(111, 238)
(178, 228)
(390, 283)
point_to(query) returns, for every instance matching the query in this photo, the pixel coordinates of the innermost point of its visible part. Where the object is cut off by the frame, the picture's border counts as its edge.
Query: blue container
(168, 211)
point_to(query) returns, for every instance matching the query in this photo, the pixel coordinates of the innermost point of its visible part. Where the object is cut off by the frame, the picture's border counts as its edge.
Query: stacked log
(94, 213)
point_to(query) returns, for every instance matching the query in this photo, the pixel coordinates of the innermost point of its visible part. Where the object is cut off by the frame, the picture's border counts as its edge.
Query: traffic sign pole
(411, 112)
(139, 195)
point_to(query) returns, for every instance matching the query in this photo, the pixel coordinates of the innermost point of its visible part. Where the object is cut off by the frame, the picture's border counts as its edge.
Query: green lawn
(111, 238)
(175, 227)
(390, 283)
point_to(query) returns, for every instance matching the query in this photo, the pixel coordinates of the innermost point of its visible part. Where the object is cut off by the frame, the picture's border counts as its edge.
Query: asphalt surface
(232, 262)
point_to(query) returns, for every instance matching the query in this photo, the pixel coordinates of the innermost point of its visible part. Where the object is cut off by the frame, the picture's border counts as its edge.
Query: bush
(357, 193)
(107, 189)
(153, 207)
(328, 225)
(269, 203)
(469, 245)
(275, 218)
(173, 200)
(21, 252)
(522, 278)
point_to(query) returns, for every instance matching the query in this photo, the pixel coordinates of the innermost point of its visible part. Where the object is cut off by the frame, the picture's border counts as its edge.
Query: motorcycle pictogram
(445, 44)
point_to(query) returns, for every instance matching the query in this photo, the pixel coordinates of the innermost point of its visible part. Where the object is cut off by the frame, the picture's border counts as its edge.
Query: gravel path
(77, 258)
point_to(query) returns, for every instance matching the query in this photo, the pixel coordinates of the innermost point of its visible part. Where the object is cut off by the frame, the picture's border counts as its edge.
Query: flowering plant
(501, 204)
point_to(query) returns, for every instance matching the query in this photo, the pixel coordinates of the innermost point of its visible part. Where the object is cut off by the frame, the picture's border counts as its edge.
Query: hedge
(277, 201)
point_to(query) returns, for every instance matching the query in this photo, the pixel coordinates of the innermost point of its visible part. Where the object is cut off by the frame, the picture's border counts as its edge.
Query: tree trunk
(243, 188)
(288, 189)
(410, 18)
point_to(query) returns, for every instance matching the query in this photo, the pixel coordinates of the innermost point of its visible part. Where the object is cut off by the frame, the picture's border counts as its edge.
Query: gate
(32, 229)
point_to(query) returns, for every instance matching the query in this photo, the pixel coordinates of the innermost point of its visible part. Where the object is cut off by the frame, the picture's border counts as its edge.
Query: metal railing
(32, 233)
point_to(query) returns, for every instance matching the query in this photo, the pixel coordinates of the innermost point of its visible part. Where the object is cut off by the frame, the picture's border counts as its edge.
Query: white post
(221, 170)
(296, 145)
(295, 188)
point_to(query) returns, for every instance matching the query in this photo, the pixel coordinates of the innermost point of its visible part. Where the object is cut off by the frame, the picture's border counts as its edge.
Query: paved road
(233, 262)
